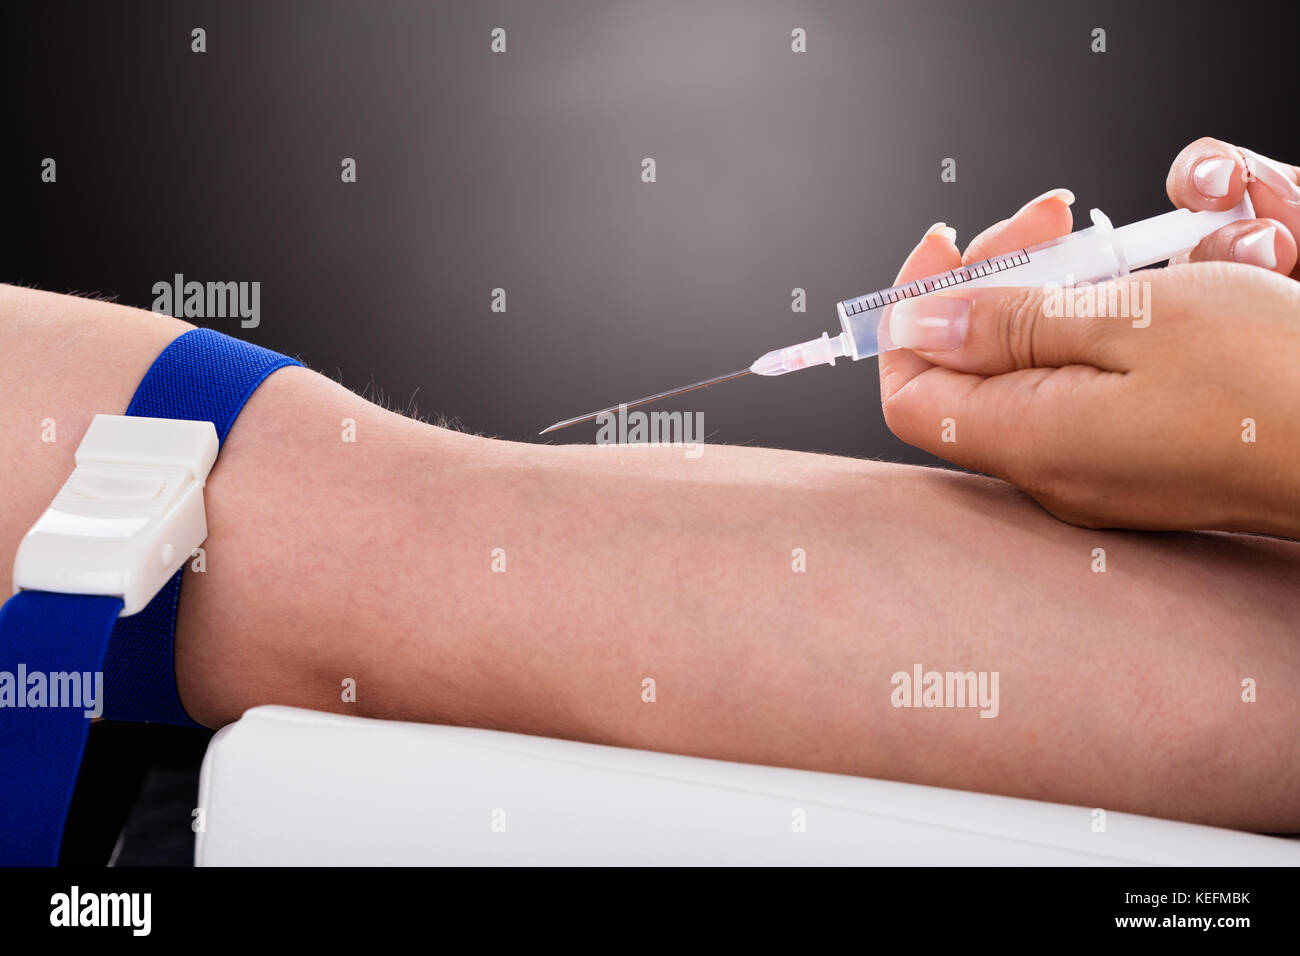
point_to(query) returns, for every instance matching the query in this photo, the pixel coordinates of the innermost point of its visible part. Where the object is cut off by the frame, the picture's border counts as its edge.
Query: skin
(373, 561)
(1273, 208)
(1107, 425)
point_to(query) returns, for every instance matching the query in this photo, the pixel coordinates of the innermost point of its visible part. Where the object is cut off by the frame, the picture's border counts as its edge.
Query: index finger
(936, 252)
(1043, 218)
(1207, 174)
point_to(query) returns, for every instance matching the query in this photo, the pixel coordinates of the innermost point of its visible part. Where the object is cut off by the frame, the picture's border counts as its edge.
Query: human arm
(373, 561)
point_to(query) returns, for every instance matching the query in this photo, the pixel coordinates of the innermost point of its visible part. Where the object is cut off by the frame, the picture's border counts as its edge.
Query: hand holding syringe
(1182, 415)
(1189, 421)
(1095, 254)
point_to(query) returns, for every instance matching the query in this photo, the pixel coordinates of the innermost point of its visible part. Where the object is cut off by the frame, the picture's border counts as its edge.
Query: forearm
(374, 560)
(1119, 688)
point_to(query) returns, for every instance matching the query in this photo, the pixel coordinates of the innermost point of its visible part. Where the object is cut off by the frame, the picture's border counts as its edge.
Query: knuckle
(1033, 474)
(1020, 313)
(898, 414)
(912, 419)
(1055, 477)
(1070, 513)
(1053, 489)
(1077, 502)
(1042, 463)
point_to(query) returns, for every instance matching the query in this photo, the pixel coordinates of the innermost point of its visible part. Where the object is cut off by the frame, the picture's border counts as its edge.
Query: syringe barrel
(1095, 254)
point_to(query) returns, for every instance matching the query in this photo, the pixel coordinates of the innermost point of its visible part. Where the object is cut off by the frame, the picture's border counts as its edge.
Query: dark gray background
(522, 170)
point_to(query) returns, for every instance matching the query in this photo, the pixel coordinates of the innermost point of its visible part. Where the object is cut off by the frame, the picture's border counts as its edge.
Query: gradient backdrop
(522, 170)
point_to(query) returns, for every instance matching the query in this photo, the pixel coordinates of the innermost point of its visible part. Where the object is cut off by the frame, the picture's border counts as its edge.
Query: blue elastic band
(41, 746)
(201, 376)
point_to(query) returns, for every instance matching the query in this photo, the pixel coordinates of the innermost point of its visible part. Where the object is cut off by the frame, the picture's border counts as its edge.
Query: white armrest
(283, 786)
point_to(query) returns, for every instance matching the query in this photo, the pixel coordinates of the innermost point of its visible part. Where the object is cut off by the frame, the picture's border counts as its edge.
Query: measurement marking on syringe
(976, 270)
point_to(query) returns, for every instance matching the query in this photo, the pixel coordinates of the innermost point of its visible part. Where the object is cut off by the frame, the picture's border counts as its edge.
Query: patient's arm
(374, 561)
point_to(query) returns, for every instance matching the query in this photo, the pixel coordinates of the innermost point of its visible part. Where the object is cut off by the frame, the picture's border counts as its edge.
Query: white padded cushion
(283, 786)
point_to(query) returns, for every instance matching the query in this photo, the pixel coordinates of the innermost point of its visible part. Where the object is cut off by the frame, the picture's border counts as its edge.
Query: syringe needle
(643, 401)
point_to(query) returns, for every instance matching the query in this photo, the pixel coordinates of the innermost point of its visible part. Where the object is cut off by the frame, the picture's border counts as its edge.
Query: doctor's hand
(1212, 174)
(1173, 406)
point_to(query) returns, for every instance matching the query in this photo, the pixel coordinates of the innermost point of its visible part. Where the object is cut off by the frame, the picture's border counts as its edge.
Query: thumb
(996, 330)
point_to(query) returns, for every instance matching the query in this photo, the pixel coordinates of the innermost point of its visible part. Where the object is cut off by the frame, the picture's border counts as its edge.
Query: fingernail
(1212, 176)
(1257, 249)
(1064, 195)
(941, 229)
(931, 323)
(1273, 175)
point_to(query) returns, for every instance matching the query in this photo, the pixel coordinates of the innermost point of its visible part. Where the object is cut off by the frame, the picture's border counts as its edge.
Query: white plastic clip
(130, 515)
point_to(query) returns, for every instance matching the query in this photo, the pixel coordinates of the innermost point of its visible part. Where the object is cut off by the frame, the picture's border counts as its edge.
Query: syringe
(1095, 254)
